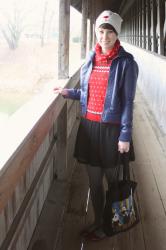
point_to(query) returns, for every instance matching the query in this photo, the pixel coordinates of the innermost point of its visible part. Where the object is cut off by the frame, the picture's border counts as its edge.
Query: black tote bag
(120, 212)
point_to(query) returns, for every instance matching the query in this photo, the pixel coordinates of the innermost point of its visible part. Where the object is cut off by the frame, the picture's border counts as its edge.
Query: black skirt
(97, 144)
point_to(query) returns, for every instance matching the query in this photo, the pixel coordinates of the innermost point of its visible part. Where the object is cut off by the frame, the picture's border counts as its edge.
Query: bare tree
(43, 30)
(50, 23)
(14, 28)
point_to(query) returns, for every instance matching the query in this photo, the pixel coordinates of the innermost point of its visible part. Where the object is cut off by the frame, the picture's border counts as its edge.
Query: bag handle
(123, 159)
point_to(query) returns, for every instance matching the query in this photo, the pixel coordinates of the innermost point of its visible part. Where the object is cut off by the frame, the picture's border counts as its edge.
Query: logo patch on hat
(105, 18)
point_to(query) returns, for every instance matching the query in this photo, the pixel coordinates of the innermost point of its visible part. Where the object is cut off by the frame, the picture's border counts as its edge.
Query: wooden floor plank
(76, 211)
(137, 241)
(72, 226)
(78, 191)
(150, 173)
(149, 170)
(152, 213)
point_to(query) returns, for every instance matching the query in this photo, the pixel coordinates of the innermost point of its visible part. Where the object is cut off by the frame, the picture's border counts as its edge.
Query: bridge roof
(114, 5)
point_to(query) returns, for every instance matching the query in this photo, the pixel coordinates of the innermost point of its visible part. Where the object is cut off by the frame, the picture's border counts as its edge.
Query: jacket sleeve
(128, 94)
(73, 94)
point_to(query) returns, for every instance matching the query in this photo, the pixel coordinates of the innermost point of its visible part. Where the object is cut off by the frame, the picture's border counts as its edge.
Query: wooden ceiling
(113, 5)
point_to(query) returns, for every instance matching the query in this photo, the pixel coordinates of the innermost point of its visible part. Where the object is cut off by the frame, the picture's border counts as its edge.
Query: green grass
(10, 102)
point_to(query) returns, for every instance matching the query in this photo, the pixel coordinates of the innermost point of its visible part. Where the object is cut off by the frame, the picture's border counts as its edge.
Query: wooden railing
(34, 151)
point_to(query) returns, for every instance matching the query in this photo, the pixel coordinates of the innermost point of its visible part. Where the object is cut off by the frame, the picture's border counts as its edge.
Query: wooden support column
(165, 32)
(160, 26)
(148, 25)
(63, 43)
(91, 25)
(153, 25)
(130, 26)
(143, 25)
(61, 159)
(125, 30)
(84, 28)
(140, 22)
(94, 21)
(91, 34)
(137, 23)
(132, 23)
(128, 30)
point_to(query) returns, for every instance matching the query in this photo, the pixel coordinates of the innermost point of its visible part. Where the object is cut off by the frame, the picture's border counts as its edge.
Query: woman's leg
(95, 175)
(98, 200)
(111, 175)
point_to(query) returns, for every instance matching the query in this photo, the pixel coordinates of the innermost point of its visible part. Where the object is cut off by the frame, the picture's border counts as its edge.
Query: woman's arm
(68, 93)
(128, 94)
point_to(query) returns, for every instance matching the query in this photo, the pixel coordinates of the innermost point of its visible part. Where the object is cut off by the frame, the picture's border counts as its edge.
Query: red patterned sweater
(98, 81)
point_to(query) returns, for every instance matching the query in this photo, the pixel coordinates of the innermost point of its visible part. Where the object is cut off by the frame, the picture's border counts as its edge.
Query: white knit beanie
(110, 17)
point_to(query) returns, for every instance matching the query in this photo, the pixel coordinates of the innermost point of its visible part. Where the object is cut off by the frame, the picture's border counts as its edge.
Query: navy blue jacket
(118, 106)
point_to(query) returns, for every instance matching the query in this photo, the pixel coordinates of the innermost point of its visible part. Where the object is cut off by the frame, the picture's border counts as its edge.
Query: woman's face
(106, 38)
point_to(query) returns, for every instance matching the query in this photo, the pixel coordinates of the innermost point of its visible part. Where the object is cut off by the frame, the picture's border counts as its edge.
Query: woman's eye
(110, 31)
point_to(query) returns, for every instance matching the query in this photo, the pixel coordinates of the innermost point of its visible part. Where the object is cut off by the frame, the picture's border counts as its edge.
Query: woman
(108, 84)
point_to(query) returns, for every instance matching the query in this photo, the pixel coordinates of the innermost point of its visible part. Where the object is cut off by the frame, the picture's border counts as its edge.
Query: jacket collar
(124, 53)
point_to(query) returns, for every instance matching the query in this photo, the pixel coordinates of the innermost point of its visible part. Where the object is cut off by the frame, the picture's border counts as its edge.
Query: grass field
(26, 71)
(23, 72)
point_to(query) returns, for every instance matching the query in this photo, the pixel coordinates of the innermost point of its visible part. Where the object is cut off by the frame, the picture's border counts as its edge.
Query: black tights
(97, 193)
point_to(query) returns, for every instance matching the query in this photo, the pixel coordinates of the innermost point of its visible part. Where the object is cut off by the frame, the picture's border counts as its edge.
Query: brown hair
(109, 27)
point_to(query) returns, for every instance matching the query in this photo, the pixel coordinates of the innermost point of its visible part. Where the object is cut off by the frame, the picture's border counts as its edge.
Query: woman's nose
(105, 35)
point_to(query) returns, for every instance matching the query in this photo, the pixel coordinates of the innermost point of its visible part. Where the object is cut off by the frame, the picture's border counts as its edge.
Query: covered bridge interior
(43, 190)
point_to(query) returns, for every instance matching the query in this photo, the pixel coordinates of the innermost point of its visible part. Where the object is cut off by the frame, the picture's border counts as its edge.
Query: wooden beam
(160, 26)
(91, 24)
(137, 23)
(165, 32)
(94, 21)
(148, 40)
(153, 25)
(132, 21)
(125, 6)
(143, 25)
(61, 163)
(16, 167)
(140, 22)
(63, 43)
(84, 28)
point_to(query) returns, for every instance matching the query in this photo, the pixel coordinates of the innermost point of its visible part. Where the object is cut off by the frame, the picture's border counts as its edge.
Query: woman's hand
(123, 147)
(60, 90)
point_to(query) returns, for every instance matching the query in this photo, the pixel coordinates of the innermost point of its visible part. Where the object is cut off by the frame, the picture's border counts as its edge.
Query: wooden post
(148, 40)
(165, 32)
(140, 22)
(61, 159)
(153, 25)
(91, 34)
(143, 25)
(84, 28)
(91, 25)
(126, 24)
(93, 16)
(135, 14)
(160, 26)
(137, 23)
(63, 43)
(128, 27)
(132, 20)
